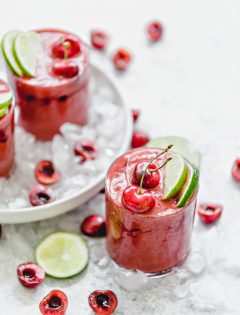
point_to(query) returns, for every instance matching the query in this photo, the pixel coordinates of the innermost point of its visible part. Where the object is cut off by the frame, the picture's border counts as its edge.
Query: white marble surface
(186, 85)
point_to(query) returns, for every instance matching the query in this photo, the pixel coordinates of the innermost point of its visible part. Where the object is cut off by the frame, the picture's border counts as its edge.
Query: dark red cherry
(139, 139)
(46, 173)
(40, 195)
(137, 200)
(65, 68)
(121, 59)
(99, 39)
(94, 226)
(135, 114)
(30, 275)
(236, 170)
(155, 31)
(85, 149)
(55, 303)
(151, 178)
(209, 213)
(3, 136)
(68, 46)
(103, 302)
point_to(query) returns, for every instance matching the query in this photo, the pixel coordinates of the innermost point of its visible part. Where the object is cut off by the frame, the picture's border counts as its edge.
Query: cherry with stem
(139, 192)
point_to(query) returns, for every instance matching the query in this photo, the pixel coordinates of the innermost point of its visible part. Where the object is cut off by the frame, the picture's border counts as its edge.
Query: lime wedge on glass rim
(175, 176)
(5, 99)
(189, 186)
(7, 50)
(180, 145)
(25, 49)
(62, 254)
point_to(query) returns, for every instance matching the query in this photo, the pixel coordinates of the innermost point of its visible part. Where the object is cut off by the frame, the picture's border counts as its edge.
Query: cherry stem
(66, 46)
(149, 163)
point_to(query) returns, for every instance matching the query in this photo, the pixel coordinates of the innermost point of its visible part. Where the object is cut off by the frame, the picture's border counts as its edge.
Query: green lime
(62, 254)
(7, 50)
(5, 99)
(175, 175)
(189, 186)
(180, 145)
(25, 49)
(3, 111)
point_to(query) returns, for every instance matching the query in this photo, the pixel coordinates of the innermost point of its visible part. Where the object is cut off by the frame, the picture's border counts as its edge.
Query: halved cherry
(99, 39)
(121, 59)
(103, 302)
(138, 200)
(55, 303)
(30, 275)
(209, 213)
(68, 46)
(135, 114)
(139, 139)
(236, 170)
(86, 149)
(154, 31)
(151, 177)
(94, 226)
(65, 68)
(46, 173)
(40, 195)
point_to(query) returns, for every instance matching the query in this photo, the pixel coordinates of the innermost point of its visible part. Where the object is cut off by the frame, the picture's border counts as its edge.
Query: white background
(187, 84)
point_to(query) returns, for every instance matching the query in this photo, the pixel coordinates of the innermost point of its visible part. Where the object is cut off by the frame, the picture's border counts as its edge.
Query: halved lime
(189, 186)
(25, 49)
(175, 175)
(5, 99)
(7, 50)
(62, 254)
(180, 145)
(3, 111)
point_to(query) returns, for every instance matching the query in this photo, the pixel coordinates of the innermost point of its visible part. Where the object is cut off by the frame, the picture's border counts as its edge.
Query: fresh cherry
(135, 114)
(121, 59)
(85, 149)
(99, 39)
(103, 302)
(94, 225)
(154, 31)
(30, 275)
(40, 195)
(46, 173)
(68, 46)
(65, 68)
(139, 139)
(3, 136)
(209, 213)
(151, 177)
(55, 303)
(137, 199)
(236, 170)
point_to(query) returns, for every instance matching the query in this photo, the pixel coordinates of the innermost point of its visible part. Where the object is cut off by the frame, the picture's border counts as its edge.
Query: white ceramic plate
(62, 205)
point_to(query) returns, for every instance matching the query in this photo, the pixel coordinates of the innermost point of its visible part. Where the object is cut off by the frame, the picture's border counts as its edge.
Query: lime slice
(189, 186)
(5, 99)
(180, 145)
(25, 49)
(175, 175)
(7, 50)
(3, 111)
(62, 254)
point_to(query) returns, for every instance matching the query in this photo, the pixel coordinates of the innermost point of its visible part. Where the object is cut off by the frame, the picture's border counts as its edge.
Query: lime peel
(189, 186)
